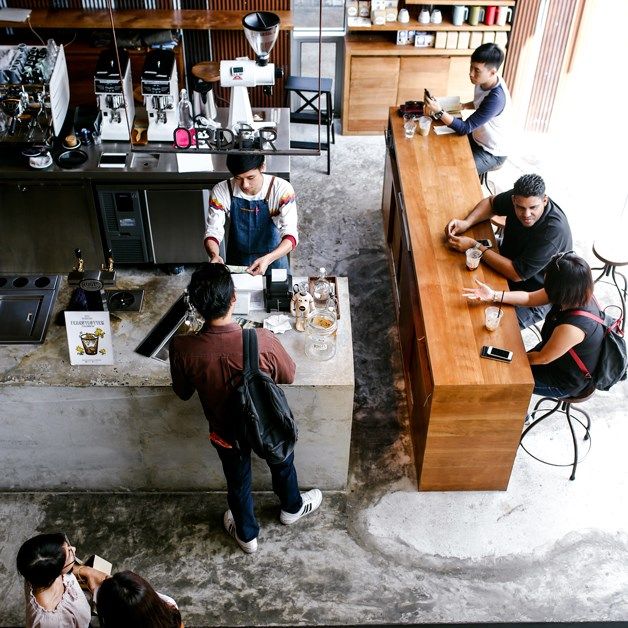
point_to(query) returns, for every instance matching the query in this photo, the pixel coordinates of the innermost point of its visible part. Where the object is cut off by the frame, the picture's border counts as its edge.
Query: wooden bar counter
(466, 412)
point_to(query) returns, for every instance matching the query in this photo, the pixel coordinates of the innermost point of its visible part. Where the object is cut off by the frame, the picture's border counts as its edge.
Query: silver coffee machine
(114, 95)
(161, 94)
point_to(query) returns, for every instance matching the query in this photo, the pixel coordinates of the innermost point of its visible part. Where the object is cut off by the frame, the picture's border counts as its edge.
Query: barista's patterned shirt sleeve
(219, 204)
(283, 209)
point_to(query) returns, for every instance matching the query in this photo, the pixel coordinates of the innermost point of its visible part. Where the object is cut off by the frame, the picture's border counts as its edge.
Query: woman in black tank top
(568, 287)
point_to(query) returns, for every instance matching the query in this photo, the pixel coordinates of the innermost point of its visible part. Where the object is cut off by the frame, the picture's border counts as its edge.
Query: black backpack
(261, 414)
(613, 363)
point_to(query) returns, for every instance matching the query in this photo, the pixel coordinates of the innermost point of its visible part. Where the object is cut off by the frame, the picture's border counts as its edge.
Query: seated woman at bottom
(568, 286)
(126, 600)
(53, 596)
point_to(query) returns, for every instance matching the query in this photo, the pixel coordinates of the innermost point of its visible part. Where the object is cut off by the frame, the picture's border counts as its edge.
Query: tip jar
(320, 335)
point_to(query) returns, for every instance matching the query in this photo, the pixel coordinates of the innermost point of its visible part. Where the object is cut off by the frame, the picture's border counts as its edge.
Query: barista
(263, 217)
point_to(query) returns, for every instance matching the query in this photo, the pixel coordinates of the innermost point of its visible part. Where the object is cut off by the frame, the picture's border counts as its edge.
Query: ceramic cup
(403, 16)
(504, 14)
(436, 17)
(459, 14)
(475, 15)
(425, 122)
(489, 15)
(424, 16)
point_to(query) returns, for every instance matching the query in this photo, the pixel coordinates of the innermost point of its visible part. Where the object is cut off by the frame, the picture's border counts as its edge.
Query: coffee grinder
(261, 30)
(160, 89)
(114, 95)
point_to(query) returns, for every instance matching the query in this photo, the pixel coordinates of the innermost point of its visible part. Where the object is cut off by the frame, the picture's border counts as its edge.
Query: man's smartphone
(486, 242)
(426, 94)
(493, 353)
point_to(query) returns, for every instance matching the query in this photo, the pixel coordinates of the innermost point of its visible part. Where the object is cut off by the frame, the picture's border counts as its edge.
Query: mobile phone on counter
(493, 353)
(486, 242)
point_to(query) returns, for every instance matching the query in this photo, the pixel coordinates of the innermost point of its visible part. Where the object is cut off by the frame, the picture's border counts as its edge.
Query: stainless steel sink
(144, 161)
(26, 303)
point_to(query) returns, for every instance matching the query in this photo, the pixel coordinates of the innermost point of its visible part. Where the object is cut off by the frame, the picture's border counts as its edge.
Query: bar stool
(486, 183)
(308, 111)
(563, 405)
(612, 253)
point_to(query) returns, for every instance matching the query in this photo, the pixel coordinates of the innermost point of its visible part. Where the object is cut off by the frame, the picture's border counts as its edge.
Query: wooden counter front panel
(466, 413)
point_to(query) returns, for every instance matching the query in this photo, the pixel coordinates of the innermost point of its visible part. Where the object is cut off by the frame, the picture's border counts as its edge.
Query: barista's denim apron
(252, 232)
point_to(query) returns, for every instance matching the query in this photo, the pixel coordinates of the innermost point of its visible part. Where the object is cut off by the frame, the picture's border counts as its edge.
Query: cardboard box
(488, 37)
(440, 41)
(423, 39)
(475, 40)
(501, 39)
(452, 40)
(352, 8)
(364, 8)
(464, 37)
(378, 17)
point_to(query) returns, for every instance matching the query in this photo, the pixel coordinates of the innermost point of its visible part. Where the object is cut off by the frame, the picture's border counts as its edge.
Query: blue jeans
(529, 315)
(484, 161)
(236, 464)
(543, 390)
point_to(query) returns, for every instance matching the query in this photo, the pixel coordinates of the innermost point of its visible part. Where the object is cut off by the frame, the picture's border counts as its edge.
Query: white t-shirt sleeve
(283, 208)
(219, 203)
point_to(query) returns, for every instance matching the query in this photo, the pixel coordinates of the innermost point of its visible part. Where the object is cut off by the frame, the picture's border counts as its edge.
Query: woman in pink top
(53, 596)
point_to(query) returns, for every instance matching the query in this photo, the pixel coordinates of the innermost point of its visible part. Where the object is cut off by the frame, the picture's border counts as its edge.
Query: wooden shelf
(143, 19)
(416, 26)
(382, 47)
(507, 3)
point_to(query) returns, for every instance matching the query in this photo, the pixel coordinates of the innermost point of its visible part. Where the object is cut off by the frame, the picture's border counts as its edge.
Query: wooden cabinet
(466, 413)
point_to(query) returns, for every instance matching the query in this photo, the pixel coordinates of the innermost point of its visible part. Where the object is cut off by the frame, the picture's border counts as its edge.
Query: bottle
(186, 119)
(322, 290)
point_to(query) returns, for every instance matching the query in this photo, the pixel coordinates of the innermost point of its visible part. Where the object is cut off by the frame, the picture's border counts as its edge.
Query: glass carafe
(320, 335)
(321, 291)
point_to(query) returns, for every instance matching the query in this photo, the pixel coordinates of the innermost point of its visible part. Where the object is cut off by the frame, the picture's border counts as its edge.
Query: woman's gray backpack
(261, 414)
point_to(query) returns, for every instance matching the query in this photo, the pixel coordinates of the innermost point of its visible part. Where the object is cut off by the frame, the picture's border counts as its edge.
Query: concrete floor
(547, 549)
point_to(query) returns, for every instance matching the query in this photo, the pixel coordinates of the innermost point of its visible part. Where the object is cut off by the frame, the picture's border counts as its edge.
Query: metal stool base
(562, 406)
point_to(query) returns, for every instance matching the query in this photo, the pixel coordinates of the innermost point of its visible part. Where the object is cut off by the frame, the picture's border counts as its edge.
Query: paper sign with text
(89, 338)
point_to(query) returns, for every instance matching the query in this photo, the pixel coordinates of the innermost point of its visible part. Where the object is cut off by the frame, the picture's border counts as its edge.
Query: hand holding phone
(493, 353)
(426, 95)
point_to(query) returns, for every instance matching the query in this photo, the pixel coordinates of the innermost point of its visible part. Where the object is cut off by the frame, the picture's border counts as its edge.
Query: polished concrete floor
(547, 549)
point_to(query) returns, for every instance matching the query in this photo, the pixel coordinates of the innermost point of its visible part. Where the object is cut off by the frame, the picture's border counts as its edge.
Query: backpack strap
(576, 358)
(251, 353)
(230, 189)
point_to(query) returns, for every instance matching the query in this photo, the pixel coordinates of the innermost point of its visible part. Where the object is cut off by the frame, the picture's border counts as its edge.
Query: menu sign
(89, 338)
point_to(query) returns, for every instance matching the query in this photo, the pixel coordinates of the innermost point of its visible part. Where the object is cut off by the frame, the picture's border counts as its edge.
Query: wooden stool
(498, 222)
(309, 111)
(613, 253)
(486, 183)
(563, 406)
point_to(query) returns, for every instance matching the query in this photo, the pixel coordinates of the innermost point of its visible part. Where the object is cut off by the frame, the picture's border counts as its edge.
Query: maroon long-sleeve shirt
(207, 362)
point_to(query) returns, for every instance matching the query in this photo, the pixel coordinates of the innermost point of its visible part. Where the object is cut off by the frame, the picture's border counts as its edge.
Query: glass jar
(320, 335)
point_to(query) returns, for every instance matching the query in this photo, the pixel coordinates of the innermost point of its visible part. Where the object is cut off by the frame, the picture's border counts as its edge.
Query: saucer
(66, 147)
(40, 162)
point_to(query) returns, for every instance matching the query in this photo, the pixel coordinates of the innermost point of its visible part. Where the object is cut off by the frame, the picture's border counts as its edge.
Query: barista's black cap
(239, 163)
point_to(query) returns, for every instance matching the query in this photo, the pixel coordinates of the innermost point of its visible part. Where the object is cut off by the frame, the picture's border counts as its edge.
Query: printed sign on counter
(89, 338)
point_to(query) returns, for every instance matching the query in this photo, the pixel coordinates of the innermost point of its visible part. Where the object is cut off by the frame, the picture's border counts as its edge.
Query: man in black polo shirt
(536, 229)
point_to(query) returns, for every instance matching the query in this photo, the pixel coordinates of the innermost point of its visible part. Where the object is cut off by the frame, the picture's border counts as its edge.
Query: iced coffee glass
(473, 258)
(492, 317)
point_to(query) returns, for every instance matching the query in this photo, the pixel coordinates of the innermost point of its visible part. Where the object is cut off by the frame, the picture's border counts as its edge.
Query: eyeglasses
(560, 256)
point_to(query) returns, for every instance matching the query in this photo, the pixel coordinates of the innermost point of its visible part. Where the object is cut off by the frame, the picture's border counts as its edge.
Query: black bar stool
(307, 89)
(562, 406)
(612, 254)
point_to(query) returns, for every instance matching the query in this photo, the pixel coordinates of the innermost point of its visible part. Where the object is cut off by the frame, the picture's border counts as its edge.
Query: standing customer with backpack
(209, 363)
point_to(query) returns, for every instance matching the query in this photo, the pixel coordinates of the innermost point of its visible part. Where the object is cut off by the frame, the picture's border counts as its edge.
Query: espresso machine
(114, 95)
(34, 92)
(160, 88)
(261, 30)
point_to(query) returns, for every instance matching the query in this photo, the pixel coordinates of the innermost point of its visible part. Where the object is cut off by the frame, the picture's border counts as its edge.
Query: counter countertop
(14, 165)
(49, 365)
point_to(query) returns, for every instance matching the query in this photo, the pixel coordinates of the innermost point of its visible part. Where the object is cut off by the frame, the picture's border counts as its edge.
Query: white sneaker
(249, 546)
(311, 501)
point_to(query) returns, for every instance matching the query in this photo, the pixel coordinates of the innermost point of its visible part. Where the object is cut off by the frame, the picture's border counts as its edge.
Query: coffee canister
(320, 335)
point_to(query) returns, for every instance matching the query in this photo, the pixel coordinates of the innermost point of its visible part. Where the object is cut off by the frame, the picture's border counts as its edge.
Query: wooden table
(466, 413)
